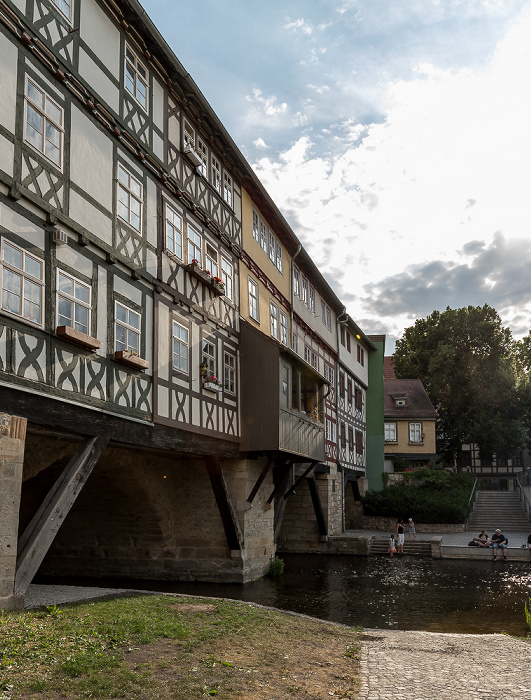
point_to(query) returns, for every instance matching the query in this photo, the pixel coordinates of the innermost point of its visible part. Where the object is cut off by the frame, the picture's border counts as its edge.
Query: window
(342, 334)
(253, 300)
(273, 312)
(358, 398)
(361, 355)
(215, 173)
(180, 347)
(359, 442)
(349, 390)
(209, 357)
(307, 354)
(43, 128)
(227, 189)
(174, 232)
(229, 372)
(279, 257)
(343, 436)
(211, 262)
(328, 429)
(328, 319)
(312, 298)
(256, 226)
(129, 198)
(294, 342)
(127, 329)
(329, 374)
(22, 283)
(351, 438)
(65, 7)
(304, 290)
(73, 303)
(202, 150)
(227, 277)
(390, 432)
(272, 248)
(194, 245)
(348, 341)
(415, 432)
(296, 282)
(315, 360)
(341, 384)
(283, 328)
(323, 312)
(136, 78)
(263, 236)
(189, 135)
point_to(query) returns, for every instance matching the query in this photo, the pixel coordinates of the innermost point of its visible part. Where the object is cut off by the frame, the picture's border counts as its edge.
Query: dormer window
(400, 401)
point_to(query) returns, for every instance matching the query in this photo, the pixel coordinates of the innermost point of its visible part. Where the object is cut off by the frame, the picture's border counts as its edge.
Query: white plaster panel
(98, 32)
(148, 315)
(3, 346)
(151, 216)
(196, 411)
(151, 262)
(158, 147)
(72, 382)
(8, 82)
(163, 402)
(91, 159)
(73, 259)
(102, 310)
(174, 131)
(90, 218)
(94, 76)
(158, 104)
(127, 290)
(7, 151)
(18, 224)
(30, 372)
(163, 339)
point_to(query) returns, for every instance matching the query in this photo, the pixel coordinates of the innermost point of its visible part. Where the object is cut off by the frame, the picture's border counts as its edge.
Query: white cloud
(260, 143)
(269, 105)
(299, 25)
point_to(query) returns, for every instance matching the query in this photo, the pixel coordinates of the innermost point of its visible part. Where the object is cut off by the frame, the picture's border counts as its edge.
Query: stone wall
(12, 440)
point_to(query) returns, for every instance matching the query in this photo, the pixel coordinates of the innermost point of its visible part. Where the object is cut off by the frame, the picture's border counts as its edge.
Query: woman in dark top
(400, 536)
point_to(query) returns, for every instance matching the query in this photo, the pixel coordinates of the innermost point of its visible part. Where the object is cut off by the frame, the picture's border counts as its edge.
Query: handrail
(471, 496)
(523, 497)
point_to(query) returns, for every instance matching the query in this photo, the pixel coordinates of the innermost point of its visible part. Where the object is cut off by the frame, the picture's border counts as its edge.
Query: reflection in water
(406, 593)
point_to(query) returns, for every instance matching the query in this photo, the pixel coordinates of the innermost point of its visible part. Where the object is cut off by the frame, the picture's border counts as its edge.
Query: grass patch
(162, 647)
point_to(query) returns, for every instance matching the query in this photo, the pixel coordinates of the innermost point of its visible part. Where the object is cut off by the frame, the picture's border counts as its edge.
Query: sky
(393, 135)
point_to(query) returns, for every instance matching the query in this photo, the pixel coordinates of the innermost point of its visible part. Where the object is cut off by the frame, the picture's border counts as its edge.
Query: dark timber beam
(280, 504)
(259, 481)
(301, 477)
(231, 525)
(318, 508)
(40, 533)
(285, 470)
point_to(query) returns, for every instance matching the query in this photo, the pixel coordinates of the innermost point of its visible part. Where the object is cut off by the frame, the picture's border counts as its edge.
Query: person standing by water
(400, 536)
(412, 530)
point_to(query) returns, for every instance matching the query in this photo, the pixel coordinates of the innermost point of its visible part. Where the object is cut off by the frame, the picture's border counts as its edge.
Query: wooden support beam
(263, 474)
(280, 504)
(40, 533)
(231, 525)
(301, 477)
(285, 469)
(317, 506)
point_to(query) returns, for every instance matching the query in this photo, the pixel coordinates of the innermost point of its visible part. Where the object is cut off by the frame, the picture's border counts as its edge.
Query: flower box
(192, 155)
(128, 358)
(77, 337)
(211, 386)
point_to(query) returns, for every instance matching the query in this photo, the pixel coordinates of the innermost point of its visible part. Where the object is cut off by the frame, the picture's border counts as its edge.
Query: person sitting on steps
(499, 541)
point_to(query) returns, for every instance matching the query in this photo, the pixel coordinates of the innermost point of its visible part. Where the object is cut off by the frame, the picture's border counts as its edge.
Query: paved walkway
(516, 539)
(404, 665)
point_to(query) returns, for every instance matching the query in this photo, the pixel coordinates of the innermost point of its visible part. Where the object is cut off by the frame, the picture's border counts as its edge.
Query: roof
(418, 404)
(389, 368)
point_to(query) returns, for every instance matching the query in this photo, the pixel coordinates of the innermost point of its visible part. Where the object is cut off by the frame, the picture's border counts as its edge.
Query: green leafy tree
(472, 370)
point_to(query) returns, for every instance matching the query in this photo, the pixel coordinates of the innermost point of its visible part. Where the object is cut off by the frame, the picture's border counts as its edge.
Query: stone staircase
(498, 509)
(420, 548)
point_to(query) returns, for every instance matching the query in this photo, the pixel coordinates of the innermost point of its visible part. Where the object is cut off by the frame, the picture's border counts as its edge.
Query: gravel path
(404, 665)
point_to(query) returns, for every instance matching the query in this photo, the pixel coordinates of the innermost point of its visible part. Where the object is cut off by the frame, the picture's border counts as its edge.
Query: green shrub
(276, 567)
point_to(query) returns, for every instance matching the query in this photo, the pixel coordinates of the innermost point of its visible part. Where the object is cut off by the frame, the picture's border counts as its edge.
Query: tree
(472, 371)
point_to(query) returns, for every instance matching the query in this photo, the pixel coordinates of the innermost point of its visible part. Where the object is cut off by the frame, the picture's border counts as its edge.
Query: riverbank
(160, 647)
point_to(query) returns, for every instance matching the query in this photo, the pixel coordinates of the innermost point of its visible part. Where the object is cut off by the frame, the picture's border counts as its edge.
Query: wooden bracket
(317, 506)
(259, 481)
(231, 525)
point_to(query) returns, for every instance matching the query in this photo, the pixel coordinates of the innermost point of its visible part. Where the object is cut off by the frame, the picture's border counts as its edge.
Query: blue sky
(393, 136)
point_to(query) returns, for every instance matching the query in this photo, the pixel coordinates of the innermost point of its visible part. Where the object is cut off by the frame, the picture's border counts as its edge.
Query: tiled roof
(417, 405)
(389, 368)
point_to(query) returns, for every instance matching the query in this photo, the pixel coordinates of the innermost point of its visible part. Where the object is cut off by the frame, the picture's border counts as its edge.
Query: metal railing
(526, 504)
(467, 512)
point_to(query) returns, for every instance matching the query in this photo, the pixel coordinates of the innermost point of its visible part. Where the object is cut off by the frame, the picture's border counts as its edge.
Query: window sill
(127, 358)
(415, 443)
(77, 337)
(196, 271)
(210, 386)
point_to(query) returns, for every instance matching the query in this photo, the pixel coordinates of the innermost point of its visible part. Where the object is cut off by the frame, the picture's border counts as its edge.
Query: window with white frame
(208, 358)
(272, 248)
(415, 432)
(174, 232)
(211, 260)
(180, 338)
(202, 150)
(227, 189)
(361, 355)
(43, 125)
(22, 283)
(227, 272)
(390, 432)
(294, 342)
(126, 329)
(215, 173)
(315, 360)
(229, 372)
(328, 318)
(296, 282)
(279, 257)
(304, 290)
(328, 429)
(136, 78)
(307, 354)
(263, 236)
(73, 303)
(283, 328)
(194, 245)
(188, 135)
(274, 320)
(311, 297)
(65, 7)
(256, 226)
(323, 312)
(129, 198)
(253, 300)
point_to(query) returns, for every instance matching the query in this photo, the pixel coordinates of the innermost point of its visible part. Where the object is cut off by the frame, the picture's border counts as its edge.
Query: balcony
(301, 434)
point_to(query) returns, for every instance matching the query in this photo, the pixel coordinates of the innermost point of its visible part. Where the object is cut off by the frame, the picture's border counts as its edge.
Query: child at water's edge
(392, 545)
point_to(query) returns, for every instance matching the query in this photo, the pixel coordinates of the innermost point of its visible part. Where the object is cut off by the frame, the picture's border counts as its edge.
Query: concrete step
(499, 509)
(412, 547)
